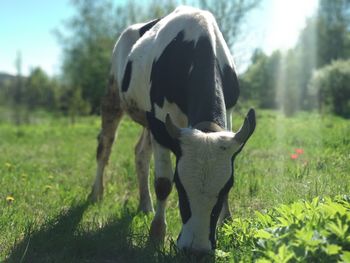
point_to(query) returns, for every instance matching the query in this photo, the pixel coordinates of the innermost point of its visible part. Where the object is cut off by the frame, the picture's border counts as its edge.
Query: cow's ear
(247, 128)
(245, 131)
(161, 135)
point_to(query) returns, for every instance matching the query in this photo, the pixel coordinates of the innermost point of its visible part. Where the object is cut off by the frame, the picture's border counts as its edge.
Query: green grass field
(47, 169)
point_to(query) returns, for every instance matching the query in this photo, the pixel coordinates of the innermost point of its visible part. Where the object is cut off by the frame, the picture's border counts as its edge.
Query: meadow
(47, 169)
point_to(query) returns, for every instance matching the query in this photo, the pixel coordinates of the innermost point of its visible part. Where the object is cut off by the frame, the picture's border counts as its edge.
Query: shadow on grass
(61, 240)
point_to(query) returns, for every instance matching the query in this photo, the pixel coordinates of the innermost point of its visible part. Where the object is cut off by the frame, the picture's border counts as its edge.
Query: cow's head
(203, 176)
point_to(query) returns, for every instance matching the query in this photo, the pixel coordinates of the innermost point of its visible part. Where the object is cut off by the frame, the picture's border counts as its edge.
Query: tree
(17, 94)
(306, 58)
(288, 85)
(326, 37)
(40, 91)
(330, 87)
(333, 31)
(72, 103)
(259, 82)
(88, 47)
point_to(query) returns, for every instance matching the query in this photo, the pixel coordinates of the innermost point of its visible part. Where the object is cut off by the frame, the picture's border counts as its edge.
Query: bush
(330, 88)
(258, 83)
(316, 231)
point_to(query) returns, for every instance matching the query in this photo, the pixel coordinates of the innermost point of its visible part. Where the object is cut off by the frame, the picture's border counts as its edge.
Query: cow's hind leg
(111, 114)
(163, 184)
(143, 154)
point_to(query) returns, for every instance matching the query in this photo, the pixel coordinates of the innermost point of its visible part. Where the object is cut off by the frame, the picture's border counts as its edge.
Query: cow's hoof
(157, 231)
(96, 195)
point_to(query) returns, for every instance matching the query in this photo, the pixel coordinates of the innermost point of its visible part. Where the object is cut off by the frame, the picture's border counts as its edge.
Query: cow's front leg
(163, 185)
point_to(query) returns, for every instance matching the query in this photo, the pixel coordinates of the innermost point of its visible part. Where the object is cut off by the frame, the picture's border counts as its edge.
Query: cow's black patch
(161, 135)
(127, 76)
(148, 26)
(163, 188)
(169, 75)
(184, 204)
(187, 74)
(230, 86)
(215, 213)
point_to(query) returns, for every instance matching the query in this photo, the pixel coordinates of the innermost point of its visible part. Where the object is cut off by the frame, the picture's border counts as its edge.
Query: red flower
(294, 156)
(299, 151)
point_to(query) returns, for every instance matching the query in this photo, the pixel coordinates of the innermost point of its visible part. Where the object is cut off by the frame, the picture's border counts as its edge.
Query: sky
(27, 26)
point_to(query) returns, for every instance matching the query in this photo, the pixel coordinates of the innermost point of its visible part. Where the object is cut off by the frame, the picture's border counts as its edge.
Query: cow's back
(174, 62)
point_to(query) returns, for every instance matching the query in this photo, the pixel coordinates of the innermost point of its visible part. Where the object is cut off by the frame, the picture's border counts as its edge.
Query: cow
(175, 76)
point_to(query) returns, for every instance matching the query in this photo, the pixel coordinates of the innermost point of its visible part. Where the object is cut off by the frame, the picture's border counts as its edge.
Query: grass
(47, 169)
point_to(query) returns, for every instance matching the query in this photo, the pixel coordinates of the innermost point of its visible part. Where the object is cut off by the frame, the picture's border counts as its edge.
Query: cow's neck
(205, 95)
(204, 110)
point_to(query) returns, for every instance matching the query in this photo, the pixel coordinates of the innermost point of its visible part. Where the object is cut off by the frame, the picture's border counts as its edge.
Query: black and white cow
(175, 76)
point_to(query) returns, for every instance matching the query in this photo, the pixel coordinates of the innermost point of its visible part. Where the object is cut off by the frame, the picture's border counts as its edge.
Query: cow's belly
(136, 102)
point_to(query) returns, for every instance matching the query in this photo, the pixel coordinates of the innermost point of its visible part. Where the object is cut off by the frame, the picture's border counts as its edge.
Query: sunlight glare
(286, 21)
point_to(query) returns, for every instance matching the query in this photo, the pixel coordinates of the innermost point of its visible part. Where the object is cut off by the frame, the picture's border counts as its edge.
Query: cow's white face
(204, 168)
(203, 177)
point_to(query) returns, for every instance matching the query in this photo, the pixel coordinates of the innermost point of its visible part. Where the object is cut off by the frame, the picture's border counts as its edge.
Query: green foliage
(35, 92)
(259, 82)
(88, 47)
(305, 231)
(72, 103)
(330, 85)
(333, 31)
(272, 81)
(40, 91)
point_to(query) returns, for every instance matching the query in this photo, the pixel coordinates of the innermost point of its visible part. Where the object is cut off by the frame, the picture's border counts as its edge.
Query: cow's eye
(224, 148)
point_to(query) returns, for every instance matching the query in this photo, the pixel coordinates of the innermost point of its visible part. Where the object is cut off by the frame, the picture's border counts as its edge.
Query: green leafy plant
(316, 231)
